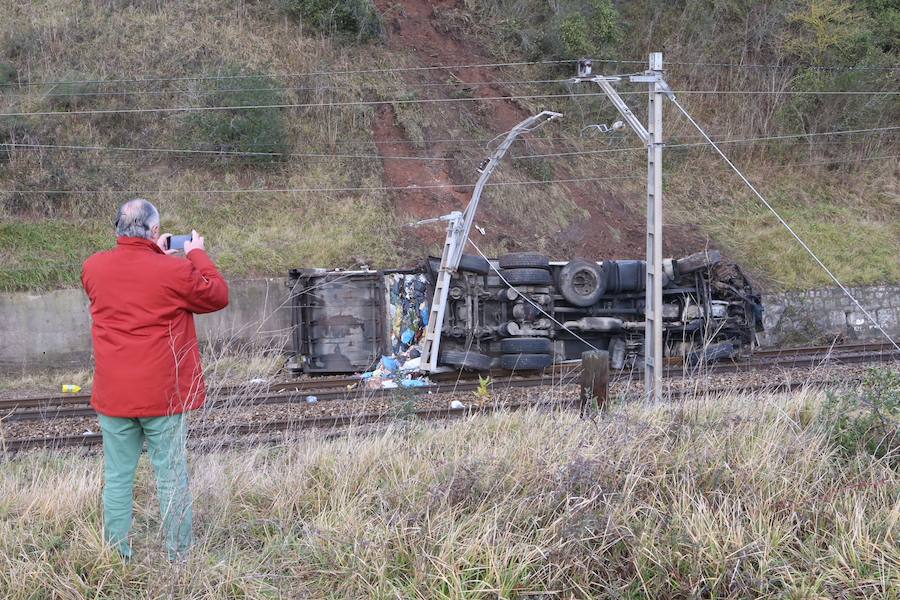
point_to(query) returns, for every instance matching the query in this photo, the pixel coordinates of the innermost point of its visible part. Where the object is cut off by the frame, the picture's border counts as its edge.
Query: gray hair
(136, 218)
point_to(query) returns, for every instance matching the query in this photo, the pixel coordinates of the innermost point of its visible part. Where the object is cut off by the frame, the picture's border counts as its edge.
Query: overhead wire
(395, 101)
(409, 188)
(401, 188)
(736, 141)
(303, 74)
(190, 151)
(242, 153)
(212, 92)
(294, 105)
(346, 72)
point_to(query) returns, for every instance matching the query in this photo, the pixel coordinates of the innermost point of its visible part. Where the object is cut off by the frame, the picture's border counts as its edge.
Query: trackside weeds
(729, 497)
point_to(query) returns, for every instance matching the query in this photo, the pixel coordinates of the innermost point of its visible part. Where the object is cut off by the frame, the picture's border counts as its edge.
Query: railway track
(342, 388)
(339, 424)
(331, 388)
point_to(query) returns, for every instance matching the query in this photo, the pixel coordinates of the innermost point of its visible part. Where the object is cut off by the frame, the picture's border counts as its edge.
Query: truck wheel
(524, 260)
(467, 262)
(535, 345)
(525, 362)
(581, 282)
(473, 361)
(473, 264)
(526, 276)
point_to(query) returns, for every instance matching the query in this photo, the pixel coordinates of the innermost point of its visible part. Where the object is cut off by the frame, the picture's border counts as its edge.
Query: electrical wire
(103, 111)
(188, 151)
(767, 166)
(305, 74)
(737, 141)
(785, 224)
(212, 92)
(218, 152)
(460, 83)
(438, 68)
(295, 105)
(777, 66)
(396, 188)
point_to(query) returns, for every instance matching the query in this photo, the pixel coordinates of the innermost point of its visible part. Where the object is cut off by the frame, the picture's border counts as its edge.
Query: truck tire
(532, 345)
(467, 262)
(473, 361)
(474, 264)
(525, 362)
(528, 276)
(581, 282)
(524, 260)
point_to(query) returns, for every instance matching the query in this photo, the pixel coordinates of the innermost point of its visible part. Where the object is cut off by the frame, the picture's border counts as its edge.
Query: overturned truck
(520, 312)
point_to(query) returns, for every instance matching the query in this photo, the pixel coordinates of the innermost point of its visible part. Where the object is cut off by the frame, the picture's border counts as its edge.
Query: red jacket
(145, 346)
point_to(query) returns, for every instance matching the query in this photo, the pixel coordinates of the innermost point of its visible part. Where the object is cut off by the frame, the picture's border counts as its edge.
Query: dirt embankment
(616, 222)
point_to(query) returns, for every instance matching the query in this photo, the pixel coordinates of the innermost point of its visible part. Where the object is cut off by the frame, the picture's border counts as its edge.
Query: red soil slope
(616, 225)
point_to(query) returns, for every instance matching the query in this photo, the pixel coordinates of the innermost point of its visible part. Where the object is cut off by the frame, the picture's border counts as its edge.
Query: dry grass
(730, 497)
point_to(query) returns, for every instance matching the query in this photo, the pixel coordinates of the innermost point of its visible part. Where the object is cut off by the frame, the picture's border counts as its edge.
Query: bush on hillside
(566, 29)
(253, 130)
(582, 28)
(358, 18)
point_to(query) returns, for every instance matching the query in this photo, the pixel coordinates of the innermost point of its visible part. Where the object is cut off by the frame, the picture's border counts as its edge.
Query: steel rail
(53, 407)
(333, 422)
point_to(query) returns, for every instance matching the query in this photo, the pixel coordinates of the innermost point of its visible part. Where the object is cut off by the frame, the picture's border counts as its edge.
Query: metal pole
(653, 364)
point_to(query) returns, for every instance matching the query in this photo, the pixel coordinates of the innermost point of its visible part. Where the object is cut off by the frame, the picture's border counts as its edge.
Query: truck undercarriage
(521, 312)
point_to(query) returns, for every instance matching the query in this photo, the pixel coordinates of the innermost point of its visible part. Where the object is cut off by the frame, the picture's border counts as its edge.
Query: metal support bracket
(459, 225)
(651, 136)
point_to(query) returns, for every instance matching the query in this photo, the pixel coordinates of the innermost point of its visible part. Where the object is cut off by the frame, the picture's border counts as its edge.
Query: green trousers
(123, 440)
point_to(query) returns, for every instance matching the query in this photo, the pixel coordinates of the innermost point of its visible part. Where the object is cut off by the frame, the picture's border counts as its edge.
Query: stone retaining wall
(793, 318)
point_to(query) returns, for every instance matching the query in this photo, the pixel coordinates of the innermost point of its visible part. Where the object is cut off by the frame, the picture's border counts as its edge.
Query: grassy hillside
(739, 497)
(103, 56)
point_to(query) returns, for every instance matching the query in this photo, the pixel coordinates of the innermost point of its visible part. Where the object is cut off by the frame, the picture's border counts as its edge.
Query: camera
(176, 242)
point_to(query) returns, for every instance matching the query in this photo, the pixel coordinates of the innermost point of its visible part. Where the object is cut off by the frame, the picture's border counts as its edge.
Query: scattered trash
(389, 364)
(411, 383)
(395, 371)
(311, 399)
(257, 381)
(413, 364)
(71, 388)
(456, 405)
(88, 432)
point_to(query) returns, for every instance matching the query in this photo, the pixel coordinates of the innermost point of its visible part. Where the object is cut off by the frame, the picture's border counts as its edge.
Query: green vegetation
(551, 30)
(359, 18)
(48, 254)
(867, 419)
(259, 131)
(274, 53)
(856, 232)
(733, 497)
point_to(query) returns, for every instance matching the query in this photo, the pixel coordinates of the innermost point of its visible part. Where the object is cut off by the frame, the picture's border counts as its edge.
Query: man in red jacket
(148, 371)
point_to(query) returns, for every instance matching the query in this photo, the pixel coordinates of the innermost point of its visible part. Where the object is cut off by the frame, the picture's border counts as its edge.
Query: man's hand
(195, 243)
(163, 243)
